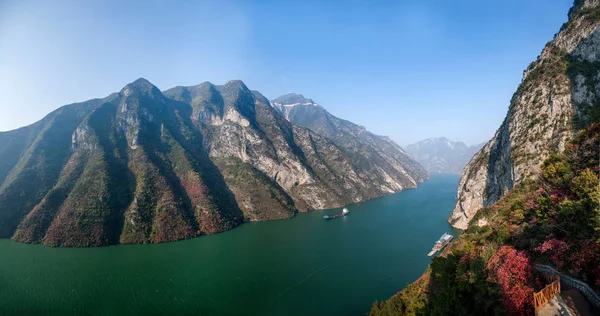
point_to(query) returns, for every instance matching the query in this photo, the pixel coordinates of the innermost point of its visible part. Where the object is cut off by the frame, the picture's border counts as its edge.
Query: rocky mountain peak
(582, 4)
(148, 167)
(236, 95)
(293, 99)
(205, 86)
(234, 85)
(201, 94)
(233, 90)
(141, 87)
(287, 103)
(441, 155)
(385, 156)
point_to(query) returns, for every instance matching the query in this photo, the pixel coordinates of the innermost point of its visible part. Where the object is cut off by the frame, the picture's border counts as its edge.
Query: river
(301, 266)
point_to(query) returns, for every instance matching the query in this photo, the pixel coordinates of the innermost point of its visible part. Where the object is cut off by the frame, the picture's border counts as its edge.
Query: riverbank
(304, 265)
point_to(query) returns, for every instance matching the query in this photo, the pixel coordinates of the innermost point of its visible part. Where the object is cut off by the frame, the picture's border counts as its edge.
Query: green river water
(301, 266)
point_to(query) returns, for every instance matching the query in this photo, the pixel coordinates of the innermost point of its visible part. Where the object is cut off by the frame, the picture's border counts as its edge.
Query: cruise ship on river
(440, 244)
(343, 213)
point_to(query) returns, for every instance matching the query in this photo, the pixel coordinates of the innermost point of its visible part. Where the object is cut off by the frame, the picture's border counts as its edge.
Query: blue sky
(407, 69)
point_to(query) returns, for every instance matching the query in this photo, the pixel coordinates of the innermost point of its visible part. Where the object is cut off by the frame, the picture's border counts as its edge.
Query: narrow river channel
(301, 266)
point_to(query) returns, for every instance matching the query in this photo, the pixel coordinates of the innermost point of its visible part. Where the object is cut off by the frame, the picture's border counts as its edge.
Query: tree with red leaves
(556, 249)
(513, 271)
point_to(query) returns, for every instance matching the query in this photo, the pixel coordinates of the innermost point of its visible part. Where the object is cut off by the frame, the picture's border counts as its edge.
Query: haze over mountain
(221, 40)
(388, 158)
(441, 155)
(143, 166)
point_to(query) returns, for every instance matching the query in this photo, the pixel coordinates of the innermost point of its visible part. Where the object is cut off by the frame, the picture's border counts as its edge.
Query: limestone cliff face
(380, 156)
(559, 94)
(141, 166)
(243, 132)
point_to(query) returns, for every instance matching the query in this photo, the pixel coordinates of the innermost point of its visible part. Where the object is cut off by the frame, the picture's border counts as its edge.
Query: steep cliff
(490, 269)
(314, 171)
(559, 94)
(143, 166)
(382, 157)
(119, 169)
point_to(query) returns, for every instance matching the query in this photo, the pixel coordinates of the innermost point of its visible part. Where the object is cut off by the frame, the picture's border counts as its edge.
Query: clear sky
(408, 69)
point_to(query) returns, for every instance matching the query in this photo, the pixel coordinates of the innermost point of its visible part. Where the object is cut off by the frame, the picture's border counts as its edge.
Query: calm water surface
(301, 266)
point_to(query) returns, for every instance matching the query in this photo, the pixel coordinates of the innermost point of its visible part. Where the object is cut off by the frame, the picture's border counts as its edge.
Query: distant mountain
(145, 166)
(381, 156)
(441, 155)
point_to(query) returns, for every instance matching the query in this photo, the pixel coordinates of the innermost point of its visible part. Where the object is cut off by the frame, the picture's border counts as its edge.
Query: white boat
(343, 213)
(440, 244)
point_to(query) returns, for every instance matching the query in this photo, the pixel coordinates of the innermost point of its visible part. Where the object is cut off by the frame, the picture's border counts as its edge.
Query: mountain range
(145, 166)
(441, 155)
(385, 158)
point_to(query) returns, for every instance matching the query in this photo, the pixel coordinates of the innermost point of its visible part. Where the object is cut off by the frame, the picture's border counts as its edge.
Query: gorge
(143, 166)
(211, 199)
(301, 266)
(530, 196)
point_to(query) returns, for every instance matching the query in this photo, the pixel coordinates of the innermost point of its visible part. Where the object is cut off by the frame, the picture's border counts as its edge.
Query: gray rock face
(143, 166)
(242, 130)
(559, 94)
(384, 161)
(441, 155)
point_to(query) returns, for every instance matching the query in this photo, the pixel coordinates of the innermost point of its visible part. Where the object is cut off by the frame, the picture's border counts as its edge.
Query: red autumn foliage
(466, 258)
(556, 250)
(558, 195)
(513, 271)
(586, 255)
(530, 204)
(530, 201)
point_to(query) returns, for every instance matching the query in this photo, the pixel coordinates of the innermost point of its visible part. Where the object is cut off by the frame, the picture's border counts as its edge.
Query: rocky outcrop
(122, 169)
(559, 94)
(243, 129)
(143, 166)
(379, 155)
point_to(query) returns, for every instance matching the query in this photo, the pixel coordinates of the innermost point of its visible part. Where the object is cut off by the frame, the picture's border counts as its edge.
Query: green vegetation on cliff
(259, 197)
(488, 270)
(140, 166)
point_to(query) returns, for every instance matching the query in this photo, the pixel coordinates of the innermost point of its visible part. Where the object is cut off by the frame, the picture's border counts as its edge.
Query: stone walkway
(569, 302)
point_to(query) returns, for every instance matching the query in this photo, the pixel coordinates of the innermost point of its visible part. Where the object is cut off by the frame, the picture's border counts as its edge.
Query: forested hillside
(531, 195)
(488, 270)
